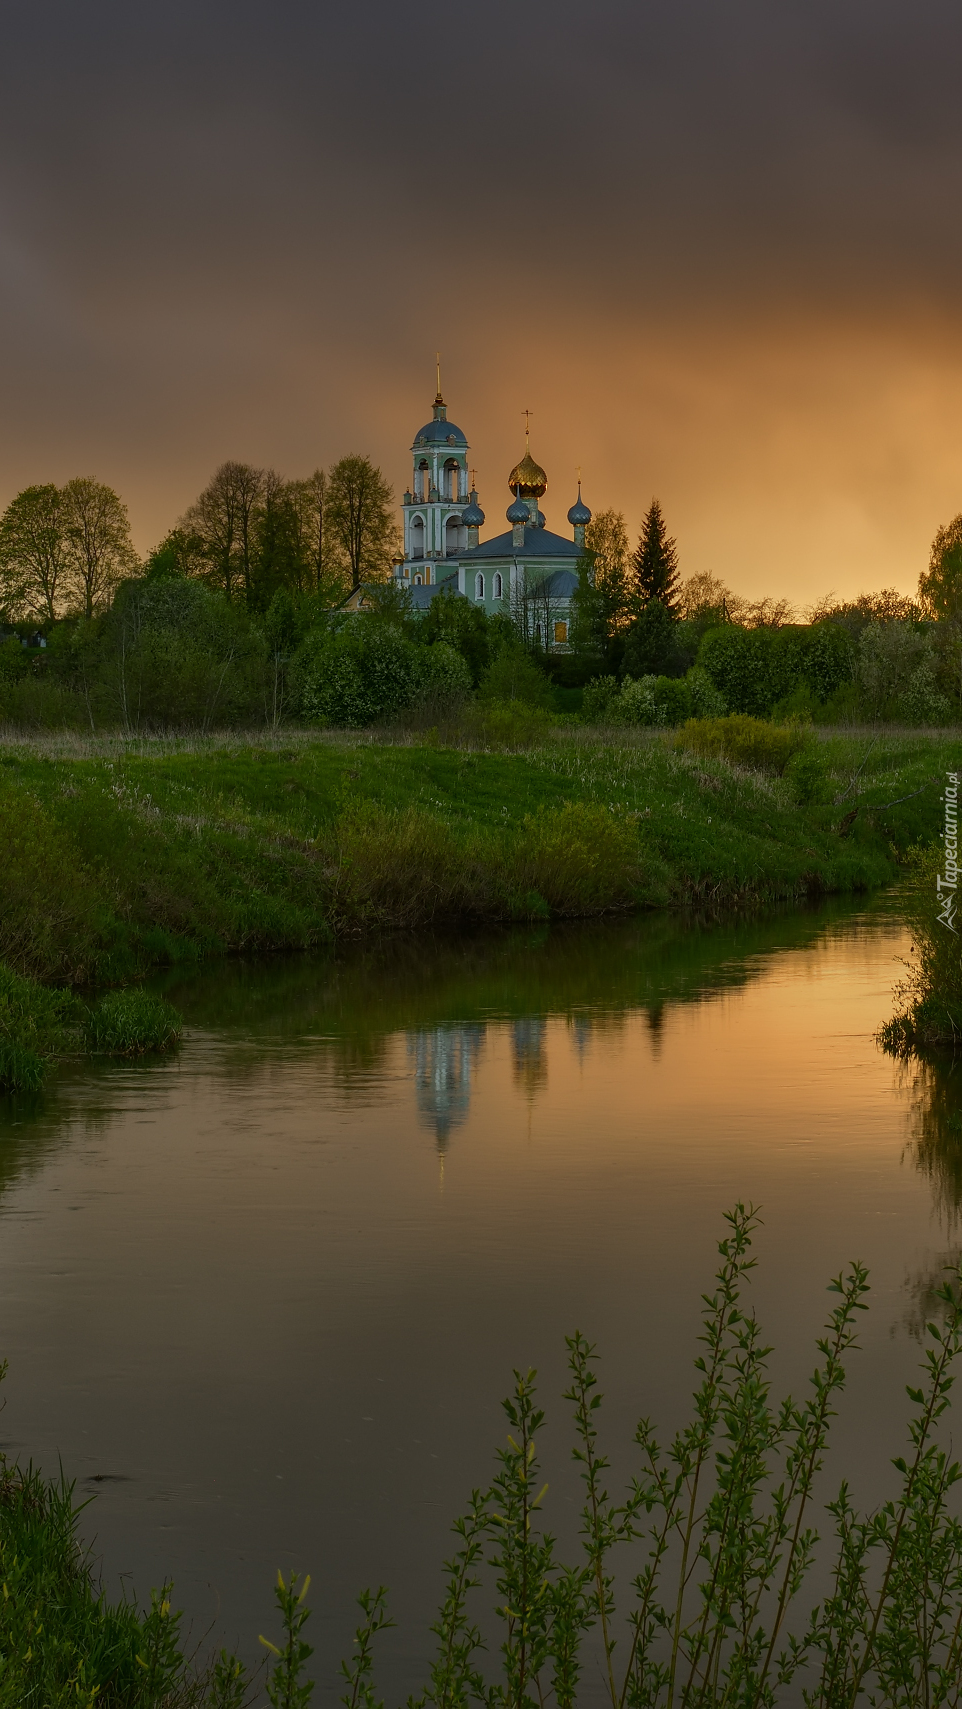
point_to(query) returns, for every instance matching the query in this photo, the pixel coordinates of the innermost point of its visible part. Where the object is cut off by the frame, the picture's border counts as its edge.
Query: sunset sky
(715, 249)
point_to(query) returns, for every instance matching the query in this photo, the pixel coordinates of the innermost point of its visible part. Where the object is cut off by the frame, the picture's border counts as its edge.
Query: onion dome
(518, 511)
(472, 515)
(529, 477)
(540, 520)
(579, 511)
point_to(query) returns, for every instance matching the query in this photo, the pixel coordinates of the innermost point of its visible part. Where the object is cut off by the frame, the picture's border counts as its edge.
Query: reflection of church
(443, 1062)
(527, 572)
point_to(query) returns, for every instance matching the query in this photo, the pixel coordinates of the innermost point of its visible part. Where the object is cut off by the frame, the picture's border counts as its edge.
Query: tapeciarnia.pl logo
(947, 881)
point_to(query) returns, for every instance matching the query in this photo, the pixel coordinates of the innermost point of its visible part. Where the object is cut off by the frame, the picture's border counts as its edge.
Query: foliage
(64, 548)
(705, 699)
(602, 601)
(514, 675)
(442, 676)
(940, 587)
(598, 696)
(132, 1023)
(649, 641)
(930, 996)
(756, 668)
(655, 562)
(896, 670)
(354, 673)
(743, 740)
(36, 1024)
(359, 518)
(33, 553)
(461, 624)
(286, 1686)
(98, 549)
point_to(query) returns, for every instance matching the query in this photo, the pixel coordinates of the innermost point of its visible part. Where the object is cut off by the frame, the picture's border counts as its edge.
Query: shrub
(931, 995)
(598, 696)
(442, 676)
(354, 674)
(513, 675)
(654, 701)
(581, 858)
(706, 700)
(35, 1023)
(508, 724)
(756, 668)
(743, 740)
(132, 1023)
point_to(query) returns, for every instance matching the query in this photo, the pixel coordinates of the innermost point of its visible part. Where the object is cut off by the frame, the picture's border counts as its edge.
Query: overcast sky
(714, 246)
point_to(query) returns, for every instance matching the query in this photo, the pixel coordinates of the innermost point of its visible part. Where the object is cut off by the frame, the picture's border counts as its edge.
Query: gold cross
(527, 428)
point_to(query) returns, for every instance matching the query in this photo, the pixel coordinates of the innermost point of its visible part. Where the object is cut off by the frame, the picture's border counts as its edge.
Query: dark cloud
(714, 246)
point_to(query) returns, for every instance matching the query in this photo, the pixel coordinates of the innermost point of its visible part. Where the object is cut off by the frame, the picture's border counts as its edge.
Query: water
(264, 1299)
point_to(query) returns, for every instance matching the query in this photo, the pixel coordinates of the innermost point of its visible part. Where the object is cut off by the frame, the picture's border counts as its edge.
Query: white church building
(526, 572)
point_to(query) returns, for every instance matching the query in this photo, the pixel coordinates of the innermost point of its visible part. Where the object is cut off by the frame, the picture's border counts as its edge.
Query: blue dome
(579, 511)
(472, 515)
(440, 433)
(518, 512)
(541, 519)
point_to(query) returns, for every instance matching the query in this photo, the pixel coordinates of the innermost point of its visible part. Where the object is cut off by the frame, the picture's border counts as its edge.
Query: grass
(688, 1589)
(39, 1025)
(122, 857)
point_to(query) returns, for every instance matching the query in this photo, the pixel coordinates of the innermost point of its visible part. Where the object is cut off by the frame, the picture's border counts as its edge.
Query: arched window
(497, 586)
(419, 581)
(479, 586)
(451, 532)
(417, 536)
(452, 473)
(424, 471)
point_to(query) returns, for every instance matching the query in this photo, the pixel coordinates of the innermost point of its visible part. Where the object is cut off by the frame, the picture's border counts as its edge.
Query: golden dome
(529, 477)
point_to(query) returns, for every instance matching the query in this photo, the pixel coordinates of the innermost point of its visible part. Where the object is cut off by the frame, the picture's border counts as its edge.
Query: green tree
(223, 520)
(655, 561)
(940, 587)
(461, 624)
(602, 601)
(99, 553)
(650, 642)
(33, 550)
(359, 518)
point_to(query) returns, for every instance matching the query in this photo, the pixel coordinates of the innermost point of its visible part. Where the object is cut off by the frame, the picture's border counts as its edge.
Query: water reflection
(934, 1084)
(232, 1279)
(443, 1059)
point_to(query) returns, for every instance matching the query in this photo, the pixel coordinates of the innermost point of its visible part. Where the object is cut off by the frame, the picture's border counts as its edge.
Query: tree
(222, 519)
(650, 642)
(940, 587)
(705, 596)
(655, 561)
(359, 520)
(99, 552)
(601, 603)
(33, 553)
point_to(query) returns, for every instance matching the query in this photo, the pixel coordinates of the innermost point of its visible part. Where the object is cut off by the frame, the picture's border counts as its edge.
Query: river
(263, 1299)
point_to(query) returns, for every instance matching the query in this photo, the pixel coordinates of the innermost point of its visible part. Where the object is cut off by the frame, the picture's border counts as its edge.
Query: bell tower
(433, 505)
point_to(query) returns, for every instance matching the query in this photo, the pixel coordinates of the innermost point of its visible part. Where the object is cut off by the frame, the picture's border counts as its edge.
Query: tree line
(66, 550)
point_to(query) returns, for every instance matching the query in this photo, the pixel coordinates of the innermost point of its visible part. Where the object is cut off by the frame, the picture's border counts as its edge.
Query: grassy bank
(120, 858)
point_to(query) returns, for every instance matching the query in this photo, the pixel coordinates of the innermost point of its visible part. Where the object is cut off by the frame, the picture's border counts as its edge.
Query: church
(527, 572)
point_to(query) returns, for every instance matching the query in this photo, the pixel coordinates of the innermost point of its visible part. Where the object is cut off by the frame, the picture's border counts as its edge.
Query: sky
(714, 246)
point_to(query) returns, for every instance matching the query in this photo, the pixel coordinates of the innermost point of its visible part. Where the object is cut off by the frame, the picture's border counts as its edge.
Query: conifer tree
(655, 562)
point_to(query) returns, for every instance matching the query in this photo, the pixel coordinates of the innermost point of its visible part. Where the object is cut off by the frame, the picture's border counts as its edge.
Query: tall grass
(688, 1588)
(930, 996)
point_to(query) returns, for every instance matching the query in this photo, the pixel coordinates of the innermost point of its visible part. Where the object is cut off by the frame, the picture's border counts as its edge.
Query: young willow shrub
(745, 741)
(716, 1536)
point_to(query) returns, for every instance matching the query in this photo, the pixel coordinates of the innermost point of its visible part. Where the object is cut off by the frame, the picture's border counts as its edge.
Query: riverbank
(119, 858)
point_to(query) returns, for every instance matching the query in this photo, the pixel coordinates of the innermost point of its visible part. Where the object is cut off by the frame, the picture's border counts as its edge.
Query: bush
(354, 674)
(597, 699)
(513, 675)
(442, 676)
(508, 724)
(745, 741)
(131, 1023)
(756, 668)
(581, 858)
(35, 1023)
(706, 700)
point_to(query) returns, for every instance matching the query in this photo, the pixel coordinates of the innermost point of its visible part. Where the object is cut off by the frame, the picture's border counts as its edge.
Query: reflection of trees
(443, 1060)
(922, 1287)
(935, 1143)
